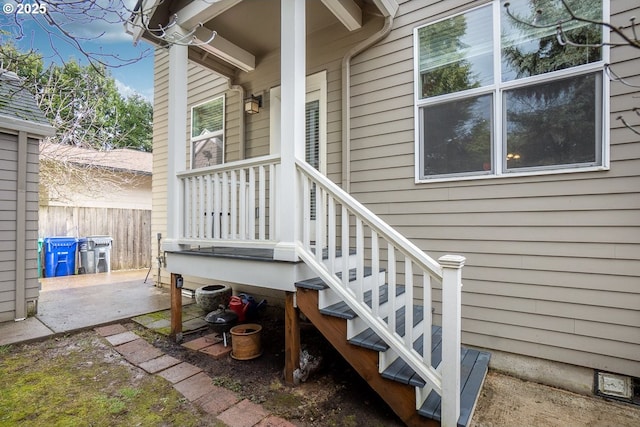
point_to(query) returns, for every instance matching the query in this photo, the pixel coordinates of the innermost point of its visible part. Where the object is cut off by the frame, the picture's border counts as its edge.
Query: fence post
(451, 325)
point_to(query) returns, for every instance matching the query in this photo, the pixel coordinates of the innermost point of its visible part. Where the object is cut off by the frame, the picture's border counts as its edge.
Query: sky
(98, 30)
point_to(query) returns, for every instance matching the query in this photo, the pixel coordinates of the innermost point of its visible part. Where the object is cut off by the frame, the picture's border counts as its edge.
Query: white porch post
(451, 325)
(177, 133)
(292, 126)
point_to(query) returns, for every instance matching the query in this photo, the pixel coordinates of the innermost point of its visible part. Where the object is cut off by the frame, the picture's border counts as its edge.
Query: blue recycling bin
(60, 256)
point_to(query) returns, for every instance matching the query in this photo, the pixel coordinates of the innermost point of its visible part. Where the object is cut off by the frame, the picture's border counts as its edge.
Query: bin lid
(100, 240)
(60, 241)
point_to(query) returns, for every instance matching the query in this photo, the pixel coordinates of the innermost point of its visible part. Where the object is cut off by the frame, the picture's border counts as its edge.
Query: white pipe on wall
(346, 95)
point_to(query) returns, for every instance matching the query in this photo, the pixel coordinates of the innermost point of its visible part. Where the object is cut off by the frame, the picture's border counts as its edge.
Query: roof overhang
(199, 20)
(37, 130)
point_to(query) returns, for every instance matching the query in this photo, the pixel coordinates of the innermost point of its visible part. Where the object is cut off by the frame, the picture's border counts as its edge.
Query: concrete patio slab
(76, 302)
(25, 330)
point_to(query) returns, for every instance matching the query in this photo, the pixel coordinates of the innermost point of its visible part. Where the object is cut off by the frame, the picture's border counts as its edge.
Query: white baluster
(273, 184)
(359, 260)
(306, 211)
(202, 208)
(252, 203)
(391, 256)
(233, 189)
(209, 209)
(262, 203)
(408, 307)
(331, 235)
(375, 269)
(242, 214)
(217, 205)
(345, 247)
(225, 206)
(428, 318)
(319, 224)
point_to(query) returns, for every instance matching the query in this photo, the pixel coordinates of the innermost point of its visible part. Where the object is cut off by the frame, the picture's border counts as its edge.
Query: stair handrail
(445, 380)
(403, 244)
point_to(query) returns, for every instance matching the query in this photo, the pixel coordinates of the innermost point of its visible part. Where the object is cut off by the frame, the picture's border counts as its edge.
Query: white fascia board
(137, 27)
(347, 11)
(35, 129)
(387, 7)
(198, 12)
(225, 50)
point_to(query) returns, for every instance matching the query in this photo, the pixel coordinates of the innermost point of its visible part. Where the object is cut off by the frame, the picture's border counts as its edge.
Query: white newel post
(451, 325)
(177, 133)
(292, 123)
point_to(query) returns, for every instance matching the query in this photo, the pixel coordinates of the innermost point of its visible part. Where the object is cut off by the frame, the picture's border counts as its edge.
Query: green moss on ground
(81, 381)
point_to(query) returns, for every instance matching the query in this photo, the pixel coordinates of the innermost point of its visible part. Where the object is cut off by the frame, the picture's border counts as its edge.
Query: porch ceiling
(254, 25)
(247, 30)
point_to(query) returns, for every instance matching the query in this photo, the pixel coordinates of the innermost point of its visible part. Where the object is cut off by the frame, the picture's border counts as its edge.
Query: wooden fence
(130, 230)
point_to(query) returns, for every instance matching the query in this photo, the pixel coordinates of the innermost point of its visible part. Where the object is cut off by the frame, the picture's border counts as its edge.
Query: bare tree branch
(560, 25)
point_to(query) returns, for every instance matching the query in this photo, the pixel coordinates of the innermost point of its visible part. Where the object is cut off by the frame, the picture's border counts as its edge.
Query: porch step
(342, 310)
(317, 284)
(473, 366)
(473, 370)
(369, 339)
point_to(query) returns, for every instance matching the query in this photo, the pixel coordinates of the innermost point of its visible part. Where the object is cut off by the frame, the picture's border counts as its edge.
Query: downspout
(346, 94)
(241, 148)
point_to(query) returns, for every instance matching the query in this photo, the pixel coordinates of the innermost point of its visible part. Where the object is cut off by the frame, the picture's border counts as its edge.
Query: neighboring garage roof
(121, 159)
(18, 107)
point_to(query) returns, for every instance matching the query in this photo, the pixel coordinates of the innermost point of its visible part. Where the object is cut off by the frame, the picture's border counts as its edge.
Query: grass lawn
(81, 381)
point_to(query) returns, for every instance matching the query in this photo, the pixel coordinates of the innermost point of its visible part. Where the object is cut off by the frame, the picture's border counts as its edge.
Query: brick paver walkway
(191, 381)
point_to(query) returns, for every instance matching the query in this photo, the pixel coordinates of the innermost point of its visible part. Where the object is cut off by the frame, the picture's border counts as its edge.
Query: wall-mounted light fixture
(252, 104)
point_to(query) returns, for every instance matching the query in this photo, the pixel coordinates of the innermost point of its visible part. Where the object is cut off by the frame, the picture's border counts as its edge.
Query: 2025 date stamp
(24, 8)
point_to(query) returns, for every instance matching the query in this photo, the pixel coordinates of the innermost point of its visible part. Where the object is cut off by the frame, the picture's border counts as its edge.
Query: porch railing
(231, 202)
(336, 220)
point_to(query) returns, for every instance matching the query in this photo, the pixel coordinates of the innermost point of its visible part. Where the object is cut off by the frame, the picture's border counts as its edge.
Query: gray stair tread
(325, 252)
(343, 311)
(473, 368)
(369, 339)
(317, 284)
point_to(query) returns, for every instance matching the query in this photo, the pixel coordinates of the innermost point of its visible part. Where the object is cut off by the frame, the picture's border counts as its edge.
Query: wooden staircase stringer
(399, 397)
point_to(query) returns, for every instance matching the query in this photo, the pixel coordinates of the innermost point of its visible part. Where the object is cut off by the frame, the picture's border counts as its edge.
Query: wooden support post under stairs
(292, 338)
(401, 398)
(176, 308)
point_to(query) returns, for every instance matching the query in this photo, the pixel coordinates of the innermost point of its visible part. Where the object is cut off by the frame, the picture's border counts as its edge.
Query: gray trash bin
(101, 252)
(87, 257)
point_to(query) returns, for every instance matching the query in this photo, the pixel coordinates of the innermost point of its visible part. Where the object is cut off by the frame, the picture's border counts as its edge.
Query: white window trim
(193, 139)
(497, 148)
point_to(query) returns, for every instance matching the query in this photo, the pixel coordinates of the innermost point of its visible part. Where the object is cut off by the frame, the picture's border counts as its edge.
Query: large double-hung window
(207, 133)
(495, 96)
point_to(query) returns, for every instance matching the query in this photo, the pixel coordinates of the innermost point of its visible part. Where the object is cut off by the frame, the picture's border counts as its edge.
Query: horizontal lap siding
(553, 262)
(8, 224)
(8, 194)
(32, 287)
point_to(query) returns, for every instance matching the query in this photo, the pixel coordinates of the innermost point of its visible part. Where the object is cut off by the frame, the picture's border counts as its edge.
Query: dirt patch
(334, 395)
(509, 401)
(80, 380)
